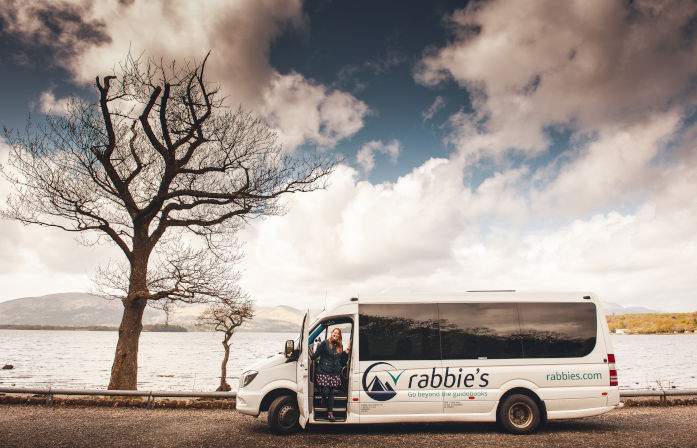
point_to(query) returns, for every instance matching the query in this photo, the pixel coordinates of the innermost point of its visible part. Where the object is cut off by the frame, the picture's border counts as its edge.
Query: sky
(537, 145)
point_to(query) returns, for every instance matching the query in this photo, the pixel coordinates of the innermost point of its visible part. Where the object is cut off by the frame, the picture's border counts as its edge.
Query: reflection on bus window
(399, 332)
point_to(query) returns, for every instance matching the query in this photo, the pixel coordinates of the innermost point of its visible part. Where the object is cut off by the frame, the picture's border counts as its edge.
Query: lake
(191, 361)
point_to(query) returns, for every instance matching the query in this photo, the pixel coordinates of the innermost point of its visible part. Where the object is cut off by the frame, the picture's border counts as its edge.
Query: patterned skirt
(324, 380)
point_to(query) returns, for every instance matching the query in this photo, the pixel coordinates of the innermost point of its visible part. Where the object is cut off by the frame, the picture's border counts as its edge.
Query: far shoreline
(146, 329)
(181, 329)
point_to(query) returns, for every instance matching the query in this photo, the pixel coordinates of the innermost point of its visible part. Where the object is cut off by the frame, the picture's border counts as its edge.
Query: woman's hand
(348, 347)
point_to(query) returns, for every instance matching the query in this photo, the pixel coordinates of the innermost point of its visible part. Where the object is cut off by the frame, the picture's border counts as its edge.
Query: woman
(332, 358)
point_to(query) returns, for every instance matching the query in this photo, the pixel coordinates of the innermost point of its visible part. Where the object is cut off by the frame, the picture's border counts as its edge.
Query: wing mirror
(290, 347)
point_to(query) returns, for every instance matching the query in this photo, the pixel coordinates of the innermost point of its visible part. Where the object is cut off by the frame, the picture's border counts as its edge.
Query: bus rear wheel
(283, 415)
(519, 414)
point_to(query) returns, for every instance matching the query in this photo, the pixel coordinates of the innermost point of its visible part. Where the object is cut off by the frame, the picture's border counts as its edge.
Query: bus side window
(474, 330)
(399, 332)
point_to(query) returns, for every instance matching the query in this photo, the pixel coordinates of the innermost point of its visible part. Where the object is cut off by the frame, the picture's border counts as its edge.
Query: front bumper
(248, 402)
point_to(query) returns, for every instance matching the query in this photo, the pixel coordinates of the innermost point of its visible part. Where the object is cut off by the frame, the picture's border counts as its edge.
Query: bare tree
(225, 316)
(156, 161)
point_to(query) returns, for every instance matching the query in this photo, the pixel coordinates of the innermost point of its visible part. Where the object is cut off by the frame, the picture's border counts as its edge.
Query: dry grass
(654, 323)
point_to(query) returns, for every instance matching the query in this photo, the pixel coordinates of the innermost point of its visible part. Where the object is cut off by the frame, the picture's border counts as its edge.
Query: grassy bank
(669, 323)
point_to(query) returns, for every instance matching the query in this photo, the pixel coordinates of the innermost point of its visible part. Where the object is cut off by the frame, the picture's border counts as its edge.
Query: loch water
(191, 361)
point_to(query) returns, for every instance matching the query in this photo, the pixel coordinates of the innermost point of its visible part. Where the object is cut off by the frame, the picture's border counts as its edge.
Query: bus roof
(481, 296)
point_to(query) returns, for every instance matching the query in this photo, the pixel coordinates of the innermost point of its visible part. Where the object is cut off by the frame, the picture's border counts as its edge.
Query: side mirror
(290, 346)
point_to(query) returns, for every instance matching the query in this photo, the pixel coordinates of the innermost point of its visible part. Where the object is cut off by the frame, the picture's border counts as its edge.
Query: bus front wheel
(283, 415)
(519, 414)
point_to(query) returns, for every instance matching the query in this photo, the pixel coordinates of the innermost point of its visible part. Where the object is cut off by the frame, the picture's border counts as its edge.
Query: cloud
(430, 233)
(532, 65)
(37, 260)
(620, 166)
(94, 36)
(358, 231)
(50, 105)
(437, 105)
(307, 112)
(366, 155)
(63, 26)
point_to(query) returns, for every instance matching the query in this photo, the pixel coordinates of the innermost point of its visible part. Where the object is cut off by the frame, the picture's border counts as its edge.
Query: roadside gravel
(42, 426)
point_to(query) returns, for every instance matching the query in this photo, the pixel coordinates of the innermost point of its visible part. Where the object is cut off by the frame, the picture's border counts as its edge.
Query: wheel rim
(288, 416)
(520, 415)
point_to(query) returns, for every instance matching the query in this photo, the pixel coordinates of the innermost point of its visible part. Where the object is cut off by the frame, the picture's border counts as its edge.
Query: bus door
(342, 402)
(302, 376)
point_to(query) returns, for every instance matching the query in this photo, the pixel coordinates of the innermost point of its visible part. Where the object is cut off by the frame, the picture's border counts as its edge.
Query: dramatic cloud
(612, 212)
(366, 155)
(533, 65)
(609, 206)
(63, 26)
(93, 36)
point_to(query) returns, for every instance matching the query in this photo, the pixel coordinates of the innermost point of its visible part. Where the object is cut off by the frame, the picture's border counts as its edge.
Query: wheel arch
(272, 395)
(529, 393)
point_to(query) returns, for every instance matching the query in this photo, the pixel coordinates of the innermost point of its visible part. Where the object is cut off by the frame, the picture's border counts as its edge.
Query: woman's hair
(339, 342)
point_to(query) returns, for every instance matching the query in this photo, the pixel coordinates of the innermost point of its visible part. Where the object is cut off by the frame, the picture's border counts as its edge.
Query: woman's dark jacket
(330, 362)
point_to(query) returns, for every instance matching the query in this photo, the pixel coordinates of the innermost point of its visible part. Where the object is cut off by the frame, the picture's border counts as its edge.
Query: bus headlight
(247, 377)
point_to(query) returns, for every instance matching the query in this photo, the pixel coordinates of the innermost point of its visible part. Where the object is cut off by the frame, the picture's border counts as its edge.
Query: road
(41, 426)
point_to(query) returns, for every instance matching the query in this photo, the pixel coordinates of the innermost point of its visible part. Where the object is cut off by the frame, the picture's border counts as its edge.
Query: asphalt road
(41, 426)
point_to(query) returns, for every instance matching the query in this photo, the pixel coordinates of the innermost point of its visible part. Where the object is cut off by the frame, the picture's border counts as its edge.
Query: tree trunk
(124, 372)
(224, 386)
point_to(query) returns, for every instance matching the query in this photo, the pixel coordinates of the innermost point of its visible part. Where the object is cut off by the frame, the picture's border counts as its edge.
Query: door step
(320, 409)
(326, 420)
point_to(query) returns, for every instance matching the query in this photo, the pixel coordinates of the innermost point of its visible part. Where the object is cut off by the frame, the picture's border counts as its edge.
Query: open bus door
(302, 374)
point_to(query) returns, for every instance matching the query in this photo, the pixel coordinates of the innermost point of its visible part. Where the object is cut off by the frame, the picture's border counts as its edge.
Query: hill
(615, 308)
(89, 310)
(67, 309)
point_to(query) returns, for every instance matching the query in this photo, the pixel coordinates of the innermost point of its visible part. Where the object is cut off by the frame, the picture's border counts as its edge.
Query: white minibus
(515, 358)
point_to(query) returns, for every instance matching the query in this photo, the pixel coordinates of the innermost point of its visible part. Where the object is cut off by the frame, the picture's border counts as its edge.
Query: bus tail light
(613, 370)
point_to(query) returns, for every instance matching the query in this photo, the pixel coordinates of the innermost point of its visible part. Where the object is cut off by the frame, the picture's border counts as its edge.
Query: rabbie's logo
(378, 389)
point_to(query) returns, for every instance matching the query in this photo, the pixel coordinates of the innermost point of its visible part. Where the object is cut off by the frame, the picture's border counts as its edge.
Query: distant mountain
(83, 309)
(615, 308)
(67, 309)
(277, 318)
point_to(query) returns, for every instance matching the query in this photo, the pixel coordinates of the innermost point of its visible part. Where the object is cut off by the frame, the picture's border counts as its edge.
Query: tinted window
(479, 330)
(399, 332)
(557, 330)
